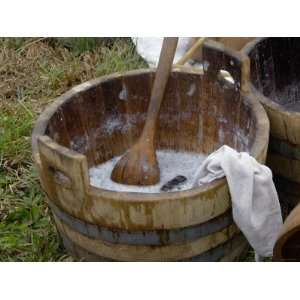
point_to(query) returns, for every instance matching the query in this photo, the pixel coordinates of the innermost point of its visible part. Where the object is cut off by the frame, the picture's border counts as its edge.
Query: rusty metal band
(284, 148)
(214, 254)
(158, 237)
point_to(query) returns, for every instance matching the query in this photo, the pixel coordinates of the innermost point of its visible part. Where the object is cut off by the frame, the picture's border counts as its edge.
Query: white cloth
(255, 205)
(149, 48)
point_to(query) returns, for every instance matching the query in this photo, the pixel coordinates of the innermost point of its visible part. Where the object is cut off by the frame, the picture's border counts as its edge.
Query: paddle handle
(161, 79)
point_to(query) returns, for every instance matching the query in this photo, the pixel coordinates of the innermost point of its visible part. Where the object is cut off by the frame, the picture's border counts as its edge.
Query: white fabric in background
(149, 48)
(255, 205)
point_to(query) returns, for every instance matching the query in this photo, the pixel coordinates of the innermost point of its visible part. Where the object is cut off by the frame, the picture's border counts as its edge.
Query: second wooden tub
(275, 81)
(200, 112)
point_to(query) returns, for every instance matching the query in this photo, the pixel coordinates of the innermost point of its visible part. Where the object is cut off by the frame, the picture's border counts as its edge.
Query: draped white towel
(255, 205)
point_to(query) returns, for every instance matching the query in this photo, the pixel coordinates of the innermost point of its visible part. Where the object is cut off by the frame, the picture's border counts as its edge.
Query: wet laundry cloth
(255, 205)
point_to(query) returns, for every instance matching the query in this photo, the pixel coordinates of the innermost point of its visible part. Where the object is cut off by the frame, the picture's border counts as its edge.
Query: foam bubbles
(171, 164)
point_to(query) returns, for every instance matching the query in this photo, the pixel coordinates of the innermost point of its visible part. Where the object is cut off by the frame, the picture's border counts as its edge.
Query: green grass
(26, 231)
(32, 73)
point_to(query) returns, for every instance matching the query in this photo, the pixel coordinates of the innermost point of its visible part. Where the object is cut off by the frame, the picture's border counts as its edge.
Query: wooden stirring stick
(139, 165)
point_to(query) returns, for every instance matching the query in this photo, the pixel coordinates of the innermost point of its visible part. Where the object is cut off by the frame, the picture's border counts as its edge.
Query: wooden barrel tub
(199, 113)
(275, 81)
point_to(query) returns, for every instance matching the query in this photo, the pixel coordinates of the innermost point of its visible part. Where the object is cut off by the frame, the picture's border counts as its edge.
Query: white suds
(171, 164)
(111, 124)
(123, 95)
(191, 90)
(116, 123)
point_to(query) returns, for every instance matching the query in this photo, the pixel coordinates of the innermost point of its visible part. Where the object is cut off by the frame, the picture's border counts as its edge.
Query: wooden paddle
(139, 165)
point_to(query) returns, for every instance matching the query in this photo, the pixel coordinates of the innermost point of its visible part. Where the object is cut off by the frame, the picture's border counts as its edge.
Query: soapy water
(171, 164)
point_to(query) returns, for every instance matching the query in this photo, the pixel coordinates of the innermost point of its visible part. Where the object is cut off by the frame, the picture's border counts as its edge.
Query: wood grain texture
(102, 118)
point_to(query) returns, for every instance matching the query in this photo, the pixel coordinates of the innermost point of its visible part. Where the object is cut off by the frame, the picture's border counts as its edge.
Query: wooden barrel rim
(146, 237)
(43, 119)
(257, 150)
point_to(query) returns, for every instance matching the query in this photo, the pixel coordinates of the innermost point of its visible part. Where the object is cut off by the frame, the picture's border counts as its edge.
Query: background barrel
(275, 80)
(102, 118)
